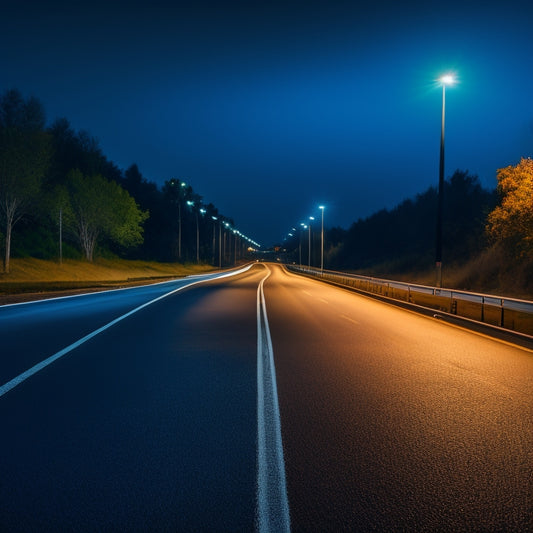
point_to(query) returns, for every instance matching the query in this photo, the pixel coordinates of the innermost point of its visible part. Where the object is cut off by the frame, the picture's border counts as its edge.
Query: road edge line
(17, 380)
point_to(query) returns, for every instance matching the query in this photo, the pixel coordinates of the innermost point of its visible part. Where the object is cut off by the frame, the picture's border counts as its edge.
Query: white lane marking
(350, 319)
(322, 300)
(306, 292)
(107, 291)
(43, 364)
(272, 501)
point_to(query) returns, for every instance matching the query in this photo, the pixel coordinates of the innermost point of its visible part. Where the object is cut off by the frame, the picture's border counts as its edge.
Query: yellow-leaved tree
(511, 222)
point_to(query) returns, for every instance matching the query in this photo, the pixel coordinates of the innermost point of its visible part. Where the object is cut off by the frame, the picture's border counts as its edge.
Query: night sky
(270, 109)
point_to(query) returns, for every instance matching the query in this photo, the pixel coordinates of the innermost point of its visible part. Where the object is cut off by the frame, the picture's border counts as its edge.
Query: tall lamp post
(220, 244)
(448, 79)
(321, 207)
(304, 227)
(182, 184)
(190, 203)
(214, 237)
(309, 251)
(202, 212)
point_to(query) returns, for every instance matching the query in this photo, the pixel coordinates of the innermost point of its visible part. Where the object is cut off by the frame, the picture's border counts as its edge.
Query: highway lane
(390, 421)
(33, 331)
(148, 426)
(393, 421)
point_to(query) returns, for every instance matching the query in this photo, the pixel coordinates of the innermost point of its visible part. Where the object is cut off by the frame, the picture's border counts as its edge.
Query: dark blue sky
(269, 109)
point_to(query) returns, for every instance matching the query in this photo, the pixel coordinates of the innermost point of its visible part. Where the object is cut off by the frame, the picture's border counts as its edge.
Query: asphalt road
(261, 401)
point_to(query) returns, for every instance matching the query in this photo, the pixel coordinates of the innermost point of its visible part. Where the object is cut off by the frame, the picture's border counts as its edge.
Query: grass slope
(35, 275)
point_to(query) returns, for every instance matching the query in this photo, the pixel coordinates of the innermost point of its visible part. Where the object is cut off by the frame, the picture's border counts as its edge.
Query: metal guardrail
(508, 313)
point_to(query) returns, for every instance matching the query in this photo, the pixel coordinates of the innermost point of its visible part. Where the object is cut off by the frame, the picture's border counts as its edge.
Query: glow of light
(447, 79)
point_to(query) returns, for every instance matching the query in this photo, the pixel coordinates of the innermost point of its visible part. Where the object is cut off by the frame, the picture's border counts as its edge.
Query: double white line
(272, 502)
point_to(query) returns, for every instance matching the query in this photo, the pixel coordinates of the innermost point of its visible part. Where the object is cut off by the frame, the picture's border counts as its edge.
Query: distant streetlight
(202, 212)
(448, 79)
(309, 251)
(226, 233)
(321, 207)
(304, 227)
(182, 184)
(190, 203)
(220, 244)
(214, 237)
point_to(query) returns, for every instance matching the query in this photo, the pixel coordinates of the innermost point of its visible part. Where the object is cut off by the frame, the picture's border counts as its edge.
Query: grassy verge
(36, 276)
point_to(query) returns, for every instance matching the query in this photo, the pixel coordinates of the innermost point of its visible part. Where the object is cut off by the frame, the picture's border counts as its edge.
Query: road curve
(388, 421)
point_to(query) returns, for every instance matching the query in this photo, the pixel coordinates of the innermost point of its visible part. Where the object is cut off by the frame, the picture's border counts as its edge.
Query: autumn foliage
(511, 222)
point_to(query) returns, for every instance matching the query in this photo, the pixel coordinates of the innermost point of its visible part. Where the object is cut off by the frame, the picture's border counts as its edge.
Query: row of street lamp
(446, 80)
(223, 225)
(227, 227)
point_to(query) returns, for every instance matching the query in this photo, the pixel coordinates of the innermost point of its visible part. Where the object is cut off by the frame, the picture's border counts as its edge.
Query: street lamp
(214, 237)
(321, 207)
(202, 212)
(226, 232)
(190, 203)
(309, 251)
(304, 227)
(448, 79)
(182, 184)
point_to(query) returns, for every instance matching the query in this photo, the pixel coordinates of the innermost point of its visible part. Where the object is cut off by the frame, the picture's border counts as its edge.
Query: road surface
(259, 401)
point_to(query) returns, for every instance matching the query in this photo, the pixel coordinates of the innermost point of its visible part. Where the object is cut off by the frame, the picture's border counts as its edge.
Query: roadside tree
(25, 152)
(102, 209)
(511, 222)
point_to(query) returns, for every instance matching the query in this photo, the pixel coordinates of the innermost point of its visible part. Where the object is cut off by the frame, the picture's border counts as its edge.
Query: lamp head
(447, 79)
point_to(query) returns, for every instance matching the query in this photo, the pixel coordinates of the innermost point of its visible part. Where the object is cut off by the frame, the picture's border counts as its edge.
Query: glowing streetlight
(321, 207)
(214, 218)
(202, 212)
(310, 219)
(445, 80)
(182, 184)
(304, 227)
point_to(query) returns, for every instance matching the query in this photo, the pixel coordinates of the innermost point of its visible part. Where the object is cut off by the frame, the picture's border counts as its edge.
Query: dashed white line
(349, 319)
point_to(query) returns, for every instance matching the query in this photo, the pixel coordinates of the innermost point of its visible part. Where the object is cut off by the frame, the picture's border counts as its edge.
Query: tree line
(60, 196)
